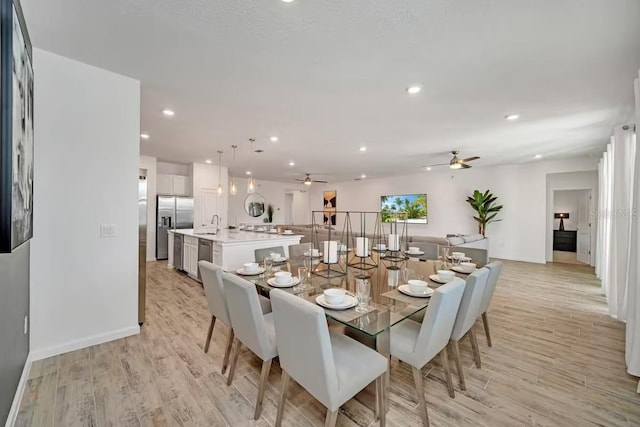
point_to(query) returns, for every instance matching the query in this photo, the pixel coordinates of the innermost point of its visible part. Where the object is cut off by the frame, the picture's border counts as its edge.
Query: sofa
(474, 246)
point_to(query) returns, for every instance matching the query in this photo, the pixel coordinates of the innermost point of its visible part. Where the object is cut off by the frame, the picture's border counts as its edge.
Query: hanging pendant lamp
(251, 184)
(220, 173)
(233, 186)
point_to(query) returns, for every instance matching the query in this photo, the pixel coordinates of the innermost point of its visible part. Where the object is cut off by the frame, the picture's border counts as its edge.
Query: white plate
(459, 269)
(273, 282)
(308, 254)
(437, 279)
(406, 289)
(279, 260)
(273, 231)
(242, 272)
(414, 253)
(349, 301)
(288, 234)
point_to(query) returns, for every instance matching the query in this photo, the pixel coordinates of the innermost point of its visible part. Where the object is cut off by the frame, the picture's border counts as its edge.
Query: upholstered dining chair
(261, 254)
(417, 343)
(251, 327)
(297, 251)
(330, 366)
(495, 269)
(468, 312)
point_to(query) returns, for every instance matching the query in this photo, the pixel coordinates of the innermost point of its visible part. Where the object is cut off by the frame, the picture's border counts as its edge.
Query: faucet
(216, 218)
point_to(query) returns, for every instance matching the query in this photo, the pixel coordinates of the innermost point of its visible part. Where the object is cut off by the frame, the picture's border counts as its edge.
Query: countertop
(241, 236)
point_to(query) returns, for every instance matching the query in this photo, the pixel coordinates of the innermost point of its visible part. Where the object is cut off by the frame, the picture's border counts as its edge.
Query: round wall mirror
(254, 205)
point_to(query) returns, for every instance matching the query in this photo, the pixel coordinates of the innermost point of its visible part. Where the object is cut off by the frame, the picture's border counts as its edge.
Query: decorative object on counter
(562, 216)
(269, 213)
(251, 184)
(219, 173)
(233, 185)
(487, 209)
(254, 205)
(16, 141)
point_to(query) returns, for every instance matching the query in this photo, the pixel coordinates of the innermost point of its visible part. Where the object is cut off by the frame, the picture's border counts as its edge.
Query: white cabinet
(177, 185)
(190, 256)
(217, 254)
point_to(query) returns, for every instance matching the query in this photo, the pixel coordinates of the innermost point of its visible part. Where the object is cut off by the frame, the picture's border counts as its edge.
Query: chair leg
(209, 333)
(332, 417)
(487, 331)
(264, 375)
(422, 403)
(474, 346)
(444, 357)
(227, 352)
(234, 360)
(283, 397)
(456, 357)
(382, 416)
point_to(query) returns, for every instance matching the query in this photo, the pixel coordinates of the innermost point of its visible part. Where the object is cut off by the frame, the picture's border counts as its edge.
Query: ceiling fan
(308, 180)
(457, 163)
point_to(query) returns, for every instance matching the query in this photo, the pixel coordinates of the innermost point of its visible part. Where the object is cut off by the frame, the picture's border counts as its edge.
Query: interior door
(584, 228)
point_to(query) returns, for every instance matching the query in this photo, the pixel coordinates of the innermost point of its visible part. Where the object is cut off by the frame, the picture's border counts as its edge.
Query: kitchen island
(229, 249)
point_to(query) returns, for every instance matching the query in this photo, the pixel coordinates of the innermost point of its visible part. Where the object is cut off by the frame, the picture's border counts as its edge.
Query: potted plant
(270, 212)
(487, 209)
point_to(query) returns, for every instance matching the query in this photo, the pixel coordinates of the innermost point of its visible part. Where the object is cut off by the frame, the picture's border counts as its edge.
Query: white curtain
(632, 351)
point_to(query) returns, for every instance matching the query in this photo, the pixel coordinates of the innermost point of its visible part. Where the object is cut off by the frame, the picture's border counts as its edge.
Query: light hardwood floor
(557, 360)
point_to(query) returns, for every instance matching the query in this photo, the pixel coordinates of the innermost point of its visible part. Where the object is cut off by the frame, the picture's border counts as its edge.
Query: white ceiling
(327, 76)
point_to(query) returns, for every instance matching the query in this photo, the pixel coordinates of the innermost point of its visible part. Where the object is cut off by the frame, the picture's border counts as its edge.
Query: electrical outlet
(26, 324)
(107, 230)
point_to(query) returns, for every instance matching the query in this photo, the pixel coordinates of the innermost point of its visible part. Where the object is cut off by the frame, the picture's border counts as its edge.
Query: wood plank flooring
(557, 360)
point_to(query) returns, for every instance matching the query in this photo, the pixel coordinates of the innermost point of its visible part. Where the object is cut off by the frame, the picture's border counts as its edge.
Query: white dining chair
(330, 366)
(251, 327)
(418, 343)
(298, 251)
(261, 254)
(467, 314)
(495, 269)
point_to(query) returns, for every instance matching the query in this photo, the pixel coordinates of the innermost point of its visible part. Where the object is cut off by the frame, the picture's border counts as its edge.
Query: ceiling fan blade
(465, 166)
(470, 159)
(296, 179)
(324, 182)
(438, 164)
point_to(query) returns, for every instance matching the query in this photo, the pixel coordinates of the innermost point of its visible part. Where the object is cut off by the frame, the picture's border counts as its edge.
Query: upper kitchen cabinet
(174, 179)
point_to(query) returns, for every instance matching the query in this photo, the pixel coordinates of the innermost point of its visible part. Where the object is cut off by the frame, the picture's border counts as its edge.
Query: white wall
(570, 180)
(274, 194)
(520, 188)
(84, 288)
(150, 164)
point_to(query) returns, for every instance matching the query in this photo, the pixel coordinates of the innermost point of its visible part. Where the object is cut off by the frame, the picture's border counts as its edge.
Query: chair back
(247, 320)
(214, 291)
(431, 250)
(495, 269)
(470, 305)
(261, 254)
(297, 251)
(438, 320)
(304, 346)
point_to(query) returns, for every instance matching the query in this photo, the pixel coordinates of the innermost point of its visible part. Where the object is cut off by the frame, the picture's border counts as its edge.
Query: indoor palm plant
(486, 208)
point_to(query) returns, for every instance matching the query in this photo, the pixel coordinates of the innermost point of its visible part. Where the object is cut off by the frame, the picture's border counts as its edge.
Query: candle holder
(362, 258)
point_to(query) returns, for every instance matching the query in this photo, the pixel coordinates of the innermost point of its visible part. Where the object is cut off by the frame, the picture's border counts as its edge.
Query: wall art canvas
(330, 216)
(16, 158)
(329, 199)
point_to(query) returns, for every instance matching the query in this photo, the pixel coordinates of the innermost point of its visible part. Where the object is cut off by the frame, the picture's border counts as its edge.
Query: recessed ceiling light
(537, 156)
(512, 116)
(168, 113)
(207, 161)
(363, 149)
(274, 139)
(292, 164)
(144, 135)
(248, 172)
(363, 176)
(428, 168)
(287, 1)
(412, 90)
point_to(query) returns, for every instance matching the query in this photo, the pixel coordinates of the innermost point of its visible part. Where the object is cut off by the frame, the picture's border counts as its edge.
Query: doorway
(288, 208)
(572, 233)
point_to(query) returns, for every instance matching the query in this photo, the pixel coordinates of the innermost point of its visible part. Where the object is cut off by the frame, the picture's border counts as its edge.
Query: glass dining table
(387, 306)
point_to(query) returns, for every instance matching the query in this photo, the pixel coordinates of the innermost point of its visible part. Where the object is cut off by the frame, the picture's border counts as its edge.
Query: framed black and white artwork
(16, 119)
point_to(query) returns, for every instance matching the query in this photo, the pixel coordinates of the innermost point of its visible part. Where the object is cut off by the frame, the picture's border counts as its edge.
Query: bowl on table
(446, 275)
(283, 277)
(250, 267)
(467, 267)
(334, 296)
(287, 232)
(418, 286)
(457, 255)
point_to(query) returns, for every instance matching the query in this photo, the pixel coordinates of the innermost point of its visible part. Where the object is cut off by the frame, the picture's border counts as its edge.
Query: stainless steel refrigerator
(173, 212)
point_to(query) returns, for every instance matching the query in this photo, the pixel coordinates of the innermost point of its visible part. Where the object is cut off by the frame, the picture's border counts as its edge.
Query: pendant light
(251, 185)
(219, 173)
(233, 186)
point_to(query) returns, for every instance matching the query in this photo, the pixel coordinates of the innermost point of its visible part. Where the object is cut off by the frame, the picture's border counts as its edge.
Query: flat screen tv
(411, 208)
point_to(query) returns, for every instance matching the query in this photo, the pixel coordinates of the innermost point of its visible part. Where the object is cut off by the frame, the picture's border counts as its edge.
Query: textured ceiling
(329, 76)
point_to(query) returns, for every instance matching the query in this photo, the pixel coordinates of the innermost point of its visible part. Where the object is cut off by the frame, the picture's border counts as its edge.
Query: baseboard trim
(17, 398)
(84, 342)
